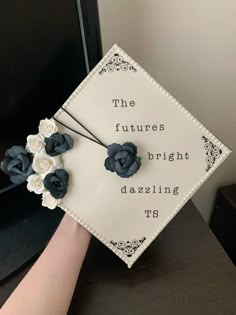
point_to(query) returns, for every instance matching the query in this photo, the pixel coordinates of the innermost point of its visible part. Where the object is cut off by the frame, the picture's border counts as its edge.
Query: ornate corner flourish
(212, 151)
(117, 63)
(129, 247)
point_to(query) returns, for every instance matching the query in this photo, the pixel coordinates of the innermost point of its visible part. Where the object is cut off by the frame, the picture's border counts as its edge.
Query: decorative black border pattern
(212, 151)
(129, 247)
(117, 63)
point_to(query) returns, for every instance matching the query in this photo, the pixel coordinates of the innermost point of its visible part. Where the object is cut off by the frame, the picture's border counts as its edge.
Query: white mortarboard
(119, 103)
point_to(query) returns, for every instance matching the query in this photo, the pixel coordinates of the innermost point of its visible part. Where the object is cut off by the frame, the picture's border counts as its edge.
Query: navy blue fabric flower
(17, 164)
(57, 183)
(58, 143)
(123, 159)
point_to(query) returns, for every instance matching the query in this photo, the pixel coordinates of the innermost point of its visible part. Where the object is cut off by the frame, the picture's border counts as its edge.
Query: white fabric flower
(44, 164)
(47, 127)
(35, 143)
(35, 184)
(49, 201)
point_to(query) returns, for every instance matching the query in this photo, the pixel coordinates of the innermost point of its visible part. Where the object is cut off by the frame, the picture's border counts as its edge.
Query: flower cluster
(39, 163)
(49, 179)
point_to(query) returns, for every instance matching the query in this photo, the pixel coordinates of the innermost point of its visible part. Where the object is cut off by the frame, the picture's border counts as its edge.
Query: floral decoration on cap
(35, 184)
(17, 164)
(39, 163)
(123, 159)
(57, 183)
(49, 178)
(47, 127)
(58, 143)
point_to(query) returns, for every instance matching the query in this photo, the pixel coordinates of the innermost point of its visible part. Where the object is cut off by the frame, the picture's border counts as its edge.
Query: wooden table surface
(184, 271)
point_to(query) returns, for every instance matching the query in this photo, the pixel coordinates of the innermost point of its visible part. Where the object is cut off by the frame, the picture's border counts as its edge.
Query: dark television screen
(41, 63)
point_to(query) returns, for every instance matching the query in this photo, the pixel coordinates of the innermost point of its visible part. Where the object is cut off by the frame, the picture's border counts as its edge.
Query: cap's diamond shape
(119, 102)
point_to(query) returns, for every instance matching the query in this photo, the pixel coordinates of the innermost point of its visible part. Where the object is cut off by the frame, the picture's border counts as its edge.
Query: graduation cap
(121, 156)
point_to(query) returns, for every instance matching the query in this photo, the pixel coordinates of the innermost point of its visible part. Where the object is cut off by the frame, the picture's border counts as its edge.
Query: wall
(189, 47)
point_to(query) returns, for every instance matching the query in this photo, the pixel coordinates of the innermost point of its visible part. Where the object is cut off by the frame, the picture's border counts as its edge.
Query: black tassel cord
(94, 139)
